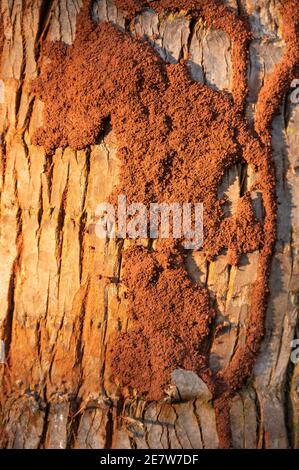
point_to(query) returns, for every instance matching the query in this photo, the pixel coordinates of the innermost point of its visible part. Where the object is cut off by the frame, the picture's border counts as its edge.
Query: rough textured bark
(61, 299)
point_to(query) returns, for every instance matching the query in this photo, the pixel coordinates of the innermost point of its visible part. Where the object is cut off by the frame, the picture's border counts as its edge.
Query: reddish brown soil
(167, 334)
(176, 139)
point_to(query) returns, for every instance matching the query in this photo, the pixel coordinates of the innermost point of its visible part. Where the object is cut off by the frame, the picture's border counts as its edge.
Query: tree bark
(60, 295)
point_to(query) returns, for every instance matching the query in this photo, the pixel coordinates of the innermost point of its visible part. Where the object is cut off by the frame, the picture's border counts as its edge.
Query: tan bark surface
(60, 295)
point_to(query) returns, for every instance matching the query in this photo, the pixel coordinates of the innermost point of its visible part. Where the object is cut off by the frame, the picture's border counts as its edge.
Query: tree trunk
(61, 299)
